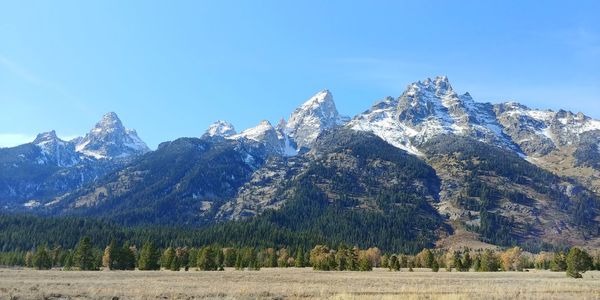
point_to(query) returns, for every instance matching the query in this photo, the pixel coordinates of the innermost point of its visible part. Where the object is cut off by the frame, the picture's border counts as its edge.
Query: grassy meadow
(294, 283)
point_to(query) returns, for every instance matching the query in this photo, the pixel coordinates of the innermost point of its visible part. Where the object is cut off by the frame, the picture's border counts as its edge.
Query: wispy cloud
(28, 76)
(14, 139)
(19, 71)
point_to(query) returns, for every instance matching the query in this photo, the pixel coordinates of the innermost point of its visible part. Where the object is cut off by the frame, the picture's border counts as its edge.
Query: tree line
(127, 256)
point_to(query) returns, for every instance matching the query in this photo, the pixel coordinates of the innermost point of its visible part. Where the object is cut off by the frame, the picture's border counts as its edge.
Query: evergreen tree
(239, 264)
(341, 258)
(230, 256)
(435, 266)
(364, 264)
(425, 258)
(175, 264)
(84, 257)
(41, 259)
(149, 257)
(353, 255)
(167, 258)
(578, 261)
(269, 258)
(220, 259)
(403, 260)
(126, 258)
(466, 262)
(385, 260)
(489, 262)
(477, 264)
(192, 258)
(559, 262)
(394, 263)
(253, 263)
(55, 256)
(68, 261)
(207, 259)
(456, 261)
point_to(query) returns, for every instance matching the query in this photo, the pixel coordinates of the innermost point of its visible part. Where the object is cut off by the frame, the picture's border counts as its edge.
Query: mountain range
(430, 165)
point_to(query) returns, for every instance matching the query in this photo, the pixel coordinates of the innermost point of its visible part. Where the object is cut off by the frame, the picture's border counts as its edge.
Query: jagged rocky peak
(439, 86)
(281, 125)
(54, 150)
(110, 139)
(313, 117)
(427, 109)
(263, 131)
(264, 134)
(220, 129)
(46, 137)
(538, 132)
(110, 122)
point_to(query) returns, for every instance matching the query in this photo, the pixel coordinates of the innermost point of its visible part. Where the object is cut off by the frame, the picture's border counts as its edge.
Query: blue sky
(171, 68)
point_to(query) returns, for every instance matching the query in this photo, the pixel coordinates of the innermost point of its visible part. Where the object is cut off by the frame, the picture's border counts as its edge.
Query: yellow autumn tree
(512, 259)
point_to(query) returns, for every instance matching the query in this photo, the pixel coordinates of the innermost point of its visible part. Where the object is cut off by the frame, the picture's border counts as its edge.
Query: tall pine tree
(84, 255)
(149, 257)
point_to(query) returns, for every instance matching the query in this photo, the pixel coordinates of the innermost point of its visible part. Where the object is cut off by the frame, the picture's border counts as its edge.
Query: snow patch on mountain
(313, 117)
(538, 132)
(265, 134)
(258, 133)
(110, 139)
(55, 151)
(427, 109)
(220, 129)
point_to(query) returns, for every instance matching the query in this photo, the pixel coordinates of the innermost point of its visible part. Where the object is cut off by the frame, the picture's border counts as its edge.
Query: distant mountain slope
(507, 199)
(31, 175)
(180, 183)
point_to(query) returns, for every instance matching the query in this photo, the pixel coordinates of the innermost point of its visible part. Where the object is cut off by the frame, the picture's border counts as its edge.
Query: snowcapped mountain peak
(46, 137)
(109, 122)
(317, 100)
(539, 132)
(220, 129)
(264, 130)
(317, 114)
(54, 150)
(281, 125)
(427, 109)
(274, 140)
(110, 139)
(265, 123)
(442, 85)
(438, 87)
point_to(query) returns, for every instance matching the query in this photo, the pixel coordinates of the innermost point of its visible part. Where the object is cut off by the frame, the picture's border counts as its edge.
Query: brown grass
(294, 284)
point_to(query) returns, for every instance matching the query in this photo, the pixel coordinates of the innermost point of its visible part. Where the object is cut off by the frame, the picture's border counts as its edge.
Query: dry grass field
(293, 284)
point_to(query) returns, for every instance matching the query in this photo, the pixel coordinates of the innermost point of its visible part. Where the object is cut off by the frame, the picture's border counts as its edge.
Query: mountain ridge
(505, 172)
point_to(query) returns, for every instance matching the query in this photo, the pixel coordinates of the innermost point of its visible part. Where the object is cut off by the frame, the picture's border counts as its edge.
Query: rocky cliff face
(313, 117)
